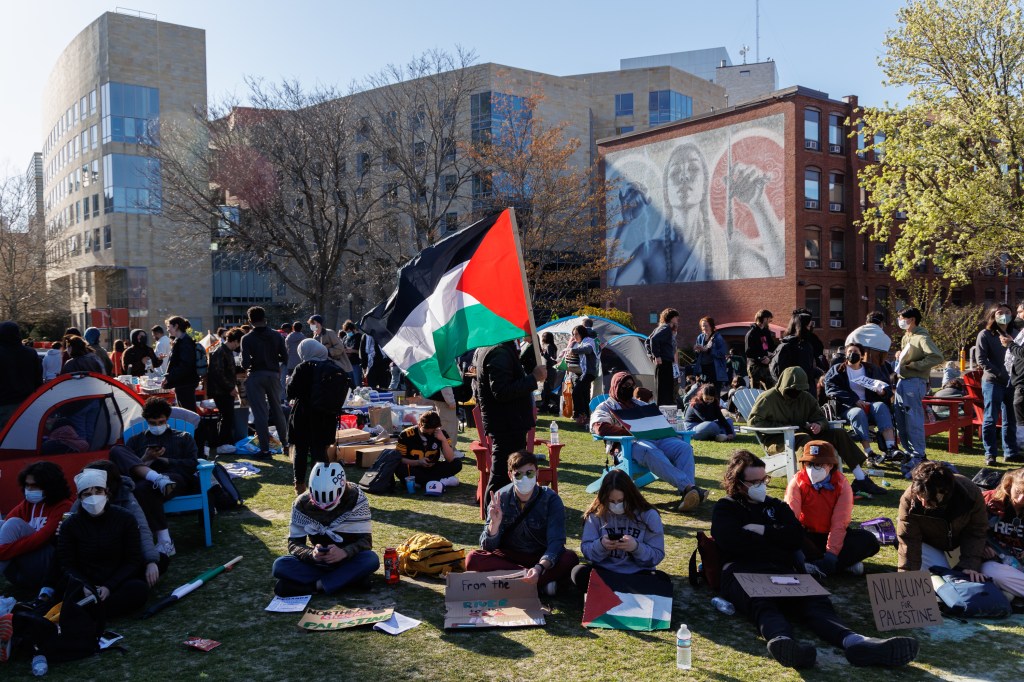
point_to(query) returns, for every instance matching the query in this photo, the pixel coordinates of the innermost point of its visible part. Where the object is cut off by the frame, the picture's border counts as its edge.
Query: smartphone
(322, 549)
(615, 535)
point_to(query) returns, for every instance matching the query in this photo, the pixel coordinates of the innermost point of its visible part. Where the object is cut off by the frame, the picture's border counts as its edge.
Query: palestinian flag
(645, 422)
(464, 292)
(627, 601)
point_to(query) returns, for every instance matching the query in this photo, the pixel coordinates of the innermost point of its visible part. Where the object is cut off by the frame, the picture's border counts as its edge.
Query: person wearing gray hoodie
(53, 361)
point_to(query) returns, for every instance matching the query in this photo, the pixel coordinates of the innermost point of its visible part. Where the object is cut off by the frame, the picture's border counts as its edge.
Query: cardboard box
(366, 455)
(489, 600)
(346, 436)
(382, 417)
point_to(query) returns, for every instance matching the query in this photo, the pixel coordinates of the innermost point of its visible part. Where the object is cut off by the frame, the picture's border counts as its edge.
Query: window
(451, 222)
(812, 129)
(491, 113)
(836, 134)
(390, 160)
(363, 129)
(812, 248)
(836, 182)
(879, 146)
(447, 150)
(837, 252)
(882, 299)
(990, 296)
(93, 138)
(131, 113)
(82, 106)
(620, 130)
(92, 102)
(449, 185)
(131, 184)
(624, 104)
(96, 239)
(812, 188)
(482, 189)
(881, 251)
(96, 170)
(85, 141)
(668, 105)
(836, 306)
(812, 301)
(390, 194)
(95, 205)
(419, 151)
(362, 164)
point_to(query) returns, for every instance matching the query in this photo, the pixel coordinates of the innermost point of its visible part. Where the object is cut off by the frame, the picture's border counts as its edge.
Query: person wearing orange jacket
(822, 501)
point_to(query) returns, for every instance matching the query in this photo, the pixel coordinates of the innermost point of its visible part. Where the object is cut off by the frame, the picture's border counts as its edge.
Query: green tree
(951, 159)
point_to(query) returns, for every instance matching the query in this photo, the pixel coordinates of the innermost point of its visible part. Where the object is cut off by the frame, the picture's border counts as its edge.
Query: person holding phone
(622, 533)
(995, 386)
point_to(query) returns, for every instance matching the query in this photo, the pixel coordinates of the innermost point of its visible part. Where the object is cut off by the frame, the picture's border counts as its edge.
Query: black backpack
(380, 478)
(224, 495)
(786, 355)
(330, 386)
(202, 362)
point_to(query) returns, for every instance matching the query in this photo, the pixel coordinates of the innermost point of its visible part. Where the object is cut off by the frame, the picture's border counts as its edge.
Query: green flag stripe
(628, 623)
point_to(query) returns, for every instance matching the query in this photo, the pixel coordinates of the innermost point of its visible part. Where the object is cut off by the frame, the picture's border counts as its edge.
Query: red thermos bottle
(391, 576)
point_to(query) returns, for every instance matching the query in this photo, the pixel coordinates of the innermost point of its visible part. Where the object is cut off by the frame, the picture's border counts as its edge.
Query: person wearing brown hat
(822, 500)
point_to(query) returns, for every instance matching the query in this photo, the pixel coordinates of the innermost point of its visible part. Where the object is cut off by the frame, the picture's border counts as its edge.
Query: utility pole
(757, 31)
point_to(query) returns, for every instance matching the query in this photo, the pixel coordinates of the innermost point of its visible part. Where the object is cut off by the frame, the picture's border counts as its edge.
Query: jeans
(998, 400)
(859, 420)
(708, 430)
(671, 460)
(263, 389)
(332, 576)
(910, 414)
(357, 374)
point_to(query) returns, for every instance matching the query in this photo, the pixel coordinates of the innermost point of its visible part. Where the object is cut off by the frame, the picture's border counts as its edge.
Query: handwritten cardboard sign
(487, 600)
(900, 601)
(322, 620)
(779, 585)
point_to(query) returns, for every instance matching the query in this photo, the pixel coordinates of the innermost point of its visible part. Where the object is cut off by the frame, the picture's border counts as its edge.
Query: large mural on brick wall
(702, 207)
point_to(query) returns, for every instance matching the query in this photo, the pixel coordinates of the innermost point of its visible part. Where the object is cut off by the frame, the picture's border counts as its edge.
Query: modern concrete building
(742, 82)
(113, 87)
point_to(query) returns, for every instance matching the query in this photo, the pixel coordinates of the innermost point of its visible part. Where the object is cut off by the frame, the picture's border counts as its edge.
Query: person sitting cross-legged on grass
(704, 416)
(622, 532)
(822, 501)
(335, 517)
(427, 454)
(525, 529)
(759, 534)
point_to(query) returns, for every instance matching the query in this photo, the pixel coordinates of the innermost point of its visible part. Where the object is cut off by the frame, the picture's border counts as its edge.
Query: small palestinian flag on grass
(645, 422)
(627, 601)
(464, 292)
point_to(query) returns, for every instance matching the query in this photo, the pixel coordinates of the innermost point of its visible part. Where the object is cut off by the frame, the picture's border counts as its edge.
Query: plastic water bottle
(39, 666)
(724, 606)
(683, 651)
(680, 423)
(554, 432)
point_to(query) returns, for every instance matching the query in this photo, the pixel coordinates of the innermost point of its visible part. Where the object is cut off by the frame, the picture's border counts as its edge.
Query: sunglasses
(766, 480)
(518, 475)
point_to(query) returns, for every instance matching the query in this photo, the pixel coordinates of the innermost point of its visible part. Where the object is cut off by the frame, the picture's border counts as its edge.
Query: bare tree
(952, 327)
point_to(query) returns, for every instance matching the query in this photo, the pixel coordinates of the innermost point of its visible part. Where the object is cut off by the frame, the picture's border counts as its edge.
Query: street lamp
(85, 311)
(350, 298)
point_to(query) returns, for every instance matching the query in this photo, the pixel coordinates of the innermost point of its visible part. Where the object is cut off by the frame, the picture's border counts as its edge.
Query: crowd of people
(108, 537)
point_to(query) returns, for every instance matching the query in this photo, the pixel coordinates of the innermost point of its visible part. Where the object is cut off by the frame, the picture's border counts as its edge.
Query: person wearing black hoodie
(758, 346)
(181, 365)
(134, 358)
(263, 353)
(20, 367)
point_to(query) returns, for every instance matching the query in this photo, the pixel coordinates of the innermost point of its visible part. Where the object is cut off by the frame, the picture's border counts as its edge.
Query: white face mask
(1003, 319)
(904, 324)
(758, 492)
(33, 496)
(818, 474)
(524, 486)
(315, 328)
(617, 507)
(94, 504)
(157, 430)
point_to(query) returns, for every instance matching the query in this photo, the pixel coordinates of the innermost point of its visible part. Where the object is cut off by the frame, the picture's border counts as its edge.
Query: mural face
(707, 206)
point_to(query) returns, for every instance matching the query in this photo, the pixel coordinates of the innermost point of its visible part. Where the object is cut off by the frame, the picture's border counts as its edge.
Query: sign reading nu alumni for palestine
(900, 601)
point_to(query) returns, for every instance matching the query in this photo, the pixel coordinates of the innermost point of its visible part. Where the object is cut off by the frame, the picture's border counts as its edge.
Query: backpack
(202, 362)
(961, 597)
(710, 568)
(987, 479)
(330, 386)
(224, 495)
(787, 354)
(427, 554)
(380, 478)
(648, 347)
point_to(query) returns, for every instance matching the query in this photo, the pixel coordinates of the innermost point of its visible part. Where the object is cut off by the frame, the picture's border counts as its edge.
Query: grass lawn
(263, 646)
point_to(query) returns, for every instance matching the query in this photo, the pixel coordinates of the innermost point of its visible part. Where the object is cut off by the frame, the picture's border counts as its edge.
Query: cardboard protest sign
(779, 585)
(322, 620)
(623, 601)
(900, 601)
(488, 600)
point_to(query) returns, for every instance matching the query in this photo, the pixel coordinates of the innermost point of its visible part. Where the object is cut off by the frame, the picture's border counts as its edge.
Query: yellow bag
(428, 554)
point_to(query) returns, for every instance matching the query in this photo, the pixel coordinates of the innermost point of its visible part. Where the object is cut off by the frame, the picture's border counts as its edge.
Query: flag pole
(534, 342)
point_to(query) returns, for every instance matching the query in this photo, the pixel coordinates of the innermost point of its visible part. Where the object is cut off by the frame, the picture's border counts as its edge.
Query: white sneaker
(449, 482)
(226, 449)
(166, 548)
(721, 438)
(165, 485)
(551, 589)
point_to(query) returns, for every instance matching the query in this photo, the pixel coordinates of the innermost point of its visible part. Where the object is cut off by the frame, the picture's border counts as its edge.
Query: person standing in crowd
(995, 386)
(182, 374)
(862, 393)
(139, 358)
(620, 511)
(27, 533)
(52, 361)
(427, 454)
(291, 342)
(263, 352)
(663, 347)
(525, 528)
(581, 358)
(92, 337)
(549, 352)
(80, 357)
(822, 501)
(372, 358)
(873, 339)
(504, 391)
(334, 516)
(21, 369)
(711, 350)
(704, 416)
(311, 428)
(756, 533)
(331, 341)
(796, 350)
(758, 346)
(918, 354)
(117, 358)
(1015, 366)
(222, 388)
(163, 343)
(353, 341)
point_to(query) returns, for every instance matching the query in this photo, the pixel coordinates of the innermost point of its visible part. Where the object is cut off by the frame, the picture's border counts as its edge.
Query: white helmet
(326, 484)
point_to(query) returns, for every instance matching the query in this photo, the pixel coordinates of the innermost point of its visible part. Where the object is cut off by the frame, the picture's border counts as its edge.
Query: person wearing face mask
(914, 362)
(663, 347)
(862, 394)
(222, 388)
(136, 355)
(822, 502)
(671, 459)
(756, 533)
(995, 386)
(789, 404)
(939, 512)
(353, 341)
(758, 346)
(163, 463)
(27, 531)
(525, 529)
(1005, 507)
(622, 533)
(330, 537)
(182, 374)
(704, 416)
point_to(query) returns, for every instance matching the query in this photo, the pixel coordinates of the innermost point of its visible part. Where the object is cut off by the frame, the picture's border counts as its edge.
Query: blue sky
(827, 46)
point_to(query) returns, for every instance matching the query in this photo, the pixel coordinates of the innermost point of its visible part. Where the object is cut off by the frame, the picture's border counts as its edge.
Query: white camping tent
(624, 342)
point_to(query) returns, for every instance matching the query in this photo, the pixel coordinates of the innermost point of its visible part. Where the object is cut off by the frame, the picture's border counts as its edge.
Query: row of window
(812, 190)
(89, 241)
(76, 146)
(78, 111)
(663, 106)
(837, 134)
(491, 110)
(79, 179)
(837, 250)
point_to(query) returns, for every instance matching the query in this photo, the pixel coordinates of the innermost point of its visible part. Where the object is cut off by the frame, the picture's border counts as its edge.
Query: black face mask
(625, 393)
(854, 358)
(792, 393)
